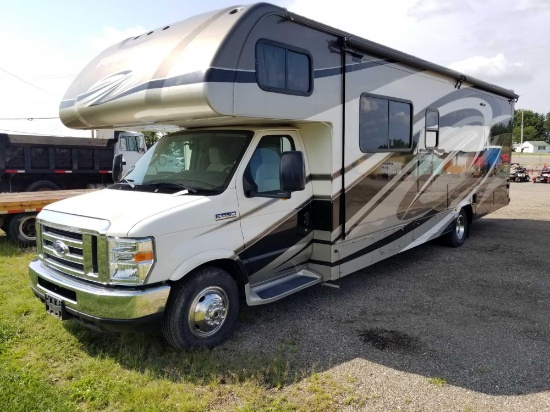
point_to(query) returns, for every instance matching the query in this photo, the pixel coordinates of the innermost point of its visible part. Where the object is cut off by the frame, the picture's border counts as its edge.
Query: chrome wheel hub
(208, 311)
(460, 226)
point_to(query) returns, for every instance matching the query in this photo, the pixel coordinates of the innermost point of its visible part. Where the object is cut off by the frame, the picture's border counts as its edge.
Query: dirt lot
(434, 328)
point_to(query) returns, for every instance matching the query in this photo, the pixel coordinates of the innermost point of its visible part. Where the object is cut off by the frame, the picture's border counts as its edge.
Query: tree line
(536, 126)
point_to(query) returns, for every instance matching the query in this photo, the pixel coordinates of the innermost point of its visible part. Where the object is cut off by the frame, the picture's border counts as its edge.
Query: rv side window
(384, 124)
(283, 69)
(432, 128)
(262, 174)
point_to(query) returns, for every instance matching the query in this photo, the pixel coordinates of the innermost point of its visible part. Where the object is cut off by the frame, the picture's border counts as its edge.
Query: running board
(279, 288)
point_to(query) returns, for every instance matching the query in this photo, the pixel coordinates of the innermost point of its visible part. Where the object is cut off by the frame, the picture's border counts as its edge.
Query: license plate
(55, 307)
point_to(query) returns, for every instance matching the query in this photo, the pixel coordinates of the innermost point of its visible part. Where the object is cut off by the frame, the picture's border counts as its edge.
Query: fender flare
(202, 258)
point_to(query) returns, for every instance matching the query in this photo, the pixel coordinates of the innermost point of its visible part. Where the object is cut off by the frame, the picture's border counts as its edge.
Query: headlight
(130, 260)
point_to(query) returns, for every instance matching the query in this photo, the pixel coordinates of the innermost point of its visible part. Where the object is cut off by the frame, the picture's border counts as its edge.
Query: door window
(262, 174)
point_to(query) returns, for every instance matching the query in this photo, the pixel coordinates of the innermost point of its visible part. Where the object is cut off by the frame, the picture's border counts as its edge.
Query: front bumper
(99, 306)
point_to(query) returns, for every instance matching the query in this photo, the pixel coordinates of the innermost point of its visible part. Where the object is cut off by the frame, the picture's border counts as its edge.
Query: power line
(30, 119)
(24, 81)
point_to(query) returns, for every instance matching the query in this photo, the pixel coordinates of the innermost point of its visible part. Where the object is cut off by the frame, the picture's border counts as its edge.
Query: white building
(535, 147)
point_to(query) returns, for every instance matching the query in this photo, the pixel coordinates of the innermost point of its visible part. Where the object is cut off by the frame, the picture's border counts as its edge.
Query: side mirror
(293, 171)
(117, 168)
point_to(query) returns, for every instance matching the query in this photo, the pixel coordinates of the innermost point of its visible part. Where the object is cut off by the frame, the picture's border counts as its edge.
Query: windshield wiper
(172, 184)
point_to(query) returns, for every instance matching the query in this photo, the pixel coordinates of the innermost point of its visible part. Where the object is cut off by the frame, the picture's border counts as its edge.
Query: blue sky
(44, 44)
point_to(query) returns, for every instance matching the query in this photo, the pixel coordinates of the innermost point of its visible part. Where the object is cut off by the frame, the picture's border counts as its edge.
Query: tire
(186, 324)
(457, 236)
(22, 228)
(42, 186)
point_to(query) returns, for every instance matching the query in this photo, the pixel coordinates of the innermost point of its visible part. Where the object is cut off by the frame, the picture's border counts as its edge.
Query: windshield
(192, 160)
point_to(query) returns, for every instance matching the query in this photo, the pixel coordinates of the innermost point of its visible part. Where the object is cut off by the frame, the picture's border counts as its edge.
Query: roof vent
(151, 32)
(165, 28)
(235, 10)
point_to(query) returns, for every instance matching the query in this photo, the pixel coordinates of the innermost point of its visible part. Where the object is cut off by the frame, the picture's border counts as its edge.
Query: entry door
(277, 232)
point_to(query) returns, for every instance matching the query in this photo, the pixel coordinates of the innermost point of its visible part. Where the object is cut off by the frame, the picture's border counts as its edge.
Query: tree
(533, 126)
(151, 137)
(529, 133)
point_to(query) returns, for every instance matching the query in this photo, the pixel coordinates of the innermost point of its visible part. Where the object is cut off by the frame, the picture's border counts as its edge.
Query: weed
(437, 381)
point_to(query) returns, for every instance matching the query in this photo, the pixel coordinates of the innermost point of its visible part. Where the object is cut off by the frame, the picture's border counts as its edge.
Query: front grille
(72, 252)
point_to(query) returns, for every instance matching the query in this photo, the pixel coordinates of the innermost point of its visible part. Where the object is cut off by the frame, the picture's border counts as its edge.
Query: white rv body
(394, 151)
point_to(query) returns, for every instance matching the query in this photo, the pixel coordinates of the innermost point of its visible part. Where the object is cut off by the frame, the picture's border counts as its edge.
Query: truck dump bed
(54, 154)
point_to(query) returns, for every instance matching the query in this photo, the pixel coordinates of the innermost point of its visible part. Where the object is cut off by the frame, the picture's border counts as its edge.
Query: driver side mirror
(293, 171)
(117, 168)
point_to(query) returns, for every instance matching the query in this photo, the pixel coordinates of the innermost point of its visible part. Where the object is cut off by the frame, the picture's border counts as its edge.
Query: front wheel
(457, 236)
(202, 310)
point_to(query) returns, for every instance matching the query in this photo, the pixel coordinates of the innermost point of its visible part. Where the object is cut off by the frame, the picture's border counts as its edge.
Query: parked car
(543, 177)
(519, 174)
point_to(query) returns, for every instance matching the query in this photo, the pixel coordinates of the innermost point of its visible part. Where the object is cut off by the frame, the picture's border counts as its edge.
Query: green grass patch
(437, 381)
(46, 364)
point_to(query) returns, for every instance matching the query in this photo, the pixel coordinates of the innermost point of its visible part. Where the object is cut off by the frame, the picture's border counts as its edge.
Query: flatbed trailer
(18, 211)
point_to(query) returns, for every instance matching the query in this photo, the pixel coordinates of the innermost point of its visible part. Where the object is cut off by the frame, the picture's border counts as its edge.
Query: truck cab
(236, 206)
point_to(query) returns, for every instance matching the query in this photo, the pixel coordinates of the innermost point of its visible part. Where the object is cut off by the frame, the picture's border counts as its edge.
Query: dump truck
(31, 163)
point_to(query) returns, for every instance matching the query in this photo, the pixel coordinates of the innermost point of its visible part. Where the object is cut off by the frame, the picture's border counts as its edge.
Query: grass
(49, 365)
(437, 381)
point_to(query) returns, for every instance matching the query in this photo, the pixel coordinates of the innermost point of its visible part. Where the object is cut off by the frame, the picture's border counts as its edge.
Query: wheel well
(469, 213)
(233, 267)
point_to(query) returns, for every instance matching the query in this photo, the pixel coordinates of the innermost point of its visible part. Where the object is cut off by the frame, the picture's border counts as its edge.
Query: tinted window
(384, 124)
(399, 125)
(283, 69)
(298, 72)
(271, 64)
(432, 128)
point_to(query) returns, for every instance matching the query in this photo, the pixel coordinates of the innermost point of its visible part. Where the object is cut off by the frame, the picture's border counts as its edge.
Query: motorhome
(304, 154)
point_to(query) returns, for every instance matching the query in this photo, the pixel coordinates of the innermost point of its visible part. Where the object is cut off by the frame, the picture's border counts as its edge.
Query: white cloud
(532, 5)
(497, 69)
(380, 21)
(425, 9)
(111, 35)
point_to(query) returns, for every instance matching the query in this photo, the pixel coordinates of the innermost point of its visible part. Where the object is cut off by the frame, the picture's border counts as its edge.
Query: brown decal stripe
(308, 244)
(390, 238)
(381, 243)
(275, 240)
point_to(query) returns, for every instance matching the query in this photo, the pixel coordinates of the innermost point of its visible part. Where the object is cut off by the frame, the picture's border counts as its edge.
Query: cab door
(276, 229)
(131, 150)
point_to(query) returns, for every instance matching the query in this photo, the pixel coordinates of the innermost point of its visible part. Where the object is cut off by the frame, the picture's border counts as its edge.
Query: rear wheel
(201, 310)
(42, 186)
(22, 228)
(457, 236)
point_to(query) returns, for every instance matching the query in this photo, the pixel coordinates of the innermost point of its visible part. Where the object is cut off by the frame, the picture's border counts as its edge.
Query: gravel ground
(434, 328)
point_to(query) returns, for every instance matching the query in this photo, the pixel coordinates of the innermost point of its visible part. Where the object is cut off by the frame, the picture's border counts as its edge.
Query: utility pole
(521, 147)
